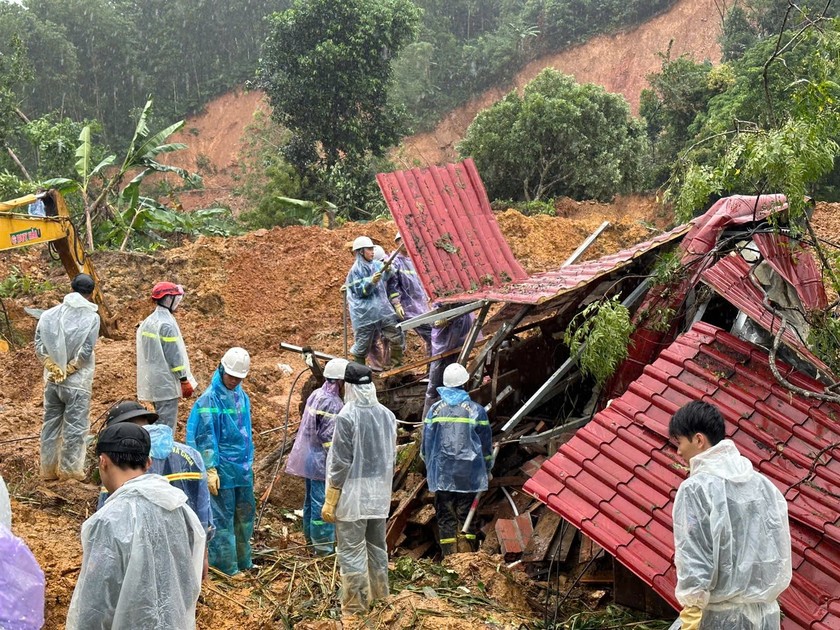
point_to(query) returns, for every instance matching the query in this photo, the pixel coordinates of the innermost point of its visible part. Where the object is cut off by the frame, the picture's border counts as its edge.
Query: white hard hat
(379, 253)
(334, 369)
(361, 242)
(455, 375)
(237, 362)
(397, 237)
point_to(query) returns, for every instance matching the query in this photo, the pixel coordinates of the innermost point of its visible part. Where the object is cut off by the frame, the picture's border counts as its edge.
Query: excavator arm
(18, 228)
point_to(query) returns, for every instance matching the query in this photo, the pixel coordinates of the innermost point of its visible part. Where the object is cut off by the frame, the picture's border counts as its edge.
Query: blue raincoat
(368, 302)
(457, 443)
(183, 468)
(219, 428)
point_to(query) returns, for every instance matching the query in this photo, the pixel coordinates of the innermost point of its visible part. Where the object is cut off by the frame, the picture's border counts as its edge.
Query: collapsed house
(727, 324)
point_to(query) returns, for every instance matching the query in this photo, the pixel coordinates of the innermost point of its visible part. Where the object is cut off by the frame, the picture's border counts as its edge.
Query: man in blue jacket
(457, 449)
(219, 428)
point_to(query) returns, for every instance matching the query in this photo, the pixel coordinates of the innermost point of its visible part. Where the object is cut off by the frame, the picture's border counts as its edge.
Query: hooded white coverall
(143, 553)
(161, 363)
(67, 333)
(732, 542)
(361, 463)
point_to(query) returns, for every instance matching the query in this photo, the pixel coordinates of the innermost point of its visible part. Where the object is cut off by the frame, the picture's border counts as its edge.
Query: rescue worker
(446, 335)
(379, 354)
(178, 463)
(22, 584)
(731, 531)
(406, 292)
(219, 428)
(163, 368)
(360, 471)
(458, 451)
(142, 553)
(369, 306)
(308, 458)
(64, 341)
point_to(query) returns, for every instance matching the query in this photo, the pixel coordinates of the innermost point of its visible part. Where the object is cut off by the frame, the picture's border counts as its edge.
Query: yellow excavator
(44, 218)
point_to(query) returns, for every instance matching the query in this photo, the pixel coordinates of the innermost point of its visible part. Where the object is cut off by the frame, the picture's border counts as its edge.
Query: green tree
(326, 68)
(559, 138)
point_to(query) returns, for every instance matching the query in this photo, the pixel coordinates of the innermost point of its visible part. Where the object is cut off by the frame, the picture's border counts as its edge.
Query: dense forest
(346, 82)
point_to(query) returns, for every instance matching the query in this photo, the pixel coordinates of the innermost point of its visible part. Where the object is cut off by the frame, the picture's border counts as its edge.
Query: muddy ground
(256, 291)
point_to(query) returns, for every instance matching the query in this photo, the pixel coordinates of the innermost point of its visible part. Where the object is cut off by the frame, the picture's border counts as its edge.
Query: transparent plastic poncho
(22, 585)
(308, 458)
(368, 302)
(732, 541)
(143, 554)
(5, 505)
(457, 443)
(161, 357)
(361, 459)
(405, 287)
(66, 333)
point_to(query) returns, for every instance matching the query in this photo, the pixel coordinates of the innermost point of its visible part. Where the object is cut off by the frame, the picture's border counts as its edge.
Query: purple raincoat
(308, 458)
(404, 287)
(21, 585)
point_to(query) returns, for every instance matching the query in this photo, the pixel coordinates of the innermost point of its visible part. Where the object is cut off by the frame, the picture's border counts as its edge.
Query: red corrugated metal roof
(616, 479)
(548, 285)
(794, 262)
(730, 277)
(449, 230)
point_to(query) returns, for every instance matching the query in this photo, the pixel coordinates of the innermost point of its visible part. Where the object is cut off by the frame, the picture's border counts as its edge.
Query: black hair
(128, 460)
(698, 417)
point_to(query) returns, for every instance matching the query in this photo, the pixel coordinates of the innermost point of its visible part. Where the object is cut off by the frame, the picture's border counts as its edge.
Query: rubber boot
(448, 547)
(360, 358)
(464, 543)
(396, 355)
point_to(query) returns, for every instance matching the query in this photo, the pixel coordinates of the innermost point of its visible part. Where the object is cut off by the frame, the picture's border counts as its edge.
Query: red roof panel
(730, 277)
(794, 263)
(617, 477)
(450, 231)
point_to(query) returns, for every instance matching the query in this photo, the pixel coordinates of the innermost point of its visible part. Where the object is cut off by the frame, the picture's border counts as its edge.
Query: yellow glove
(690, 617)
(72, 367)
(441, 323)
(213, 481)
(330, 501)
(57, 375)
(399, 310)
(376, 277)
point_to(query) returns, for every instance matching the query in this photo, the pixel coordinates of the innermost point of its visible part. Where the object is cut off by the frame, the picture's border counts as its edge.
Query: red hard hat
(162, 289)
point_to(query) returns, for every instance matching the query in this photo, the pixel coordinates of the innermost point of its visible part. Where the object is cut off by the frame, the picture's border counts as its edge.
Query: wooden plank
(406, 460)
(400, 516)
(547, 528)
(423, 516)
(512, 480)
(588, 549)
(420, 550)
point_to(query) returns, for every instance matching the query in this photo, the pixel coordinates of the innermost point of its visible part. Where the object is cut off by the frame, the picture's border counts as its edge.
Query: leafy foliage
(559, 138)
(601, 332)
(17, 284)
(824, 339)
(326, 68)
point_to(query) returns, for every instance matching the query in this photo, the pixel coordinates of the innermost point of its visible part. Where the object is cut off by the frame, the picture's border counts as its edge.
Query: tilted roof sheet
(616, 479)
(794, 263)
(449, 229)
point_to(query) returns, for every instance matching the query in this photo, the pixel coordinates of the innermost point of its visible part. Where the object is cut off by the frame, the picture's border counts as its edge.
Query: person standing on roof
(732, 545)
(163, 368)
(447, 335)
(406, 293)
(308, 458)
(178, 463)
(219, 428)
(360, 472)
(142, 553)
(458, 451)
(369, 306)
(64, 341)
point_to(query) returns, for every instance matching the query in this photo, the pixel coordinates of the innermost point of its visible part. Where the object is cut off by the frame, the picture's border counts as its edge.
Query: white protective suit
(5, 505)
(161, 357)
(143, 556)
(66, 333)
(361, 463)
(732, 542)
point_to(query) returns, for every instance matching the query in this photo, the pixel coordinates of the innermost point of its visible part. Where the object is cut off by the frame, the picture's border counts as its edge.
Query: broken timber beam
(446, 313)
(398, 520)
(473, 334)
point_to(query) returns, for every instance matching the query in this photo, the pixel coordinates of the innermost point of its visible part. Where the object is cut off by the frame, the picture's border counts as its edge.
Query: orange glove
(186, 389)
